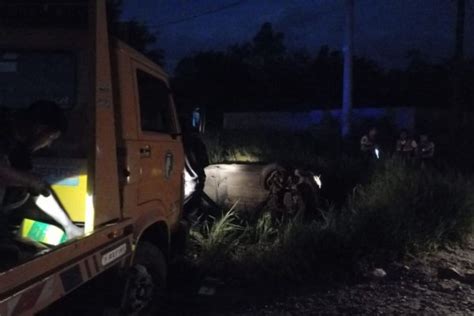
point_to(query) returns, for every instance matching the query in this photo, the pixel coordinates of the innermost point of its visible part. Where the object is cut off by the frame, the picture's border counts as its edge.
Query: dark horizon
(384, 32)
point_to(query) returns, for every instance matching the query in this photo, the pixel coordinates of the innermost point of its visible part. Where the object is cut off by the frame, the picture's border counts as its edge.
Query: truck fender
(156, 233)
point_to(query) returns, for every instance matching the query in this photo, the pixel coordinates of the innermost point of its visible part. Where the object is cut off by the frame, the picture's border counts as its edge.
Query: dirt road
(426, 286)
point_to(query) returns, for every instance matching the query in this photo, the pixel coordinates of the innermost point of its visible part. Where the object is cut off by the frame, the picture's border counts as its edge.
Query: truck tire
(146, 281)
(179, 239)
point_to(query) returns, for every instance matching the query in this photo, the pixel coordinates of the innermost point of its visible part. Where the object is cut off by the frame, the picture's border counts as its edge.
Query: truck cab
(118, 170)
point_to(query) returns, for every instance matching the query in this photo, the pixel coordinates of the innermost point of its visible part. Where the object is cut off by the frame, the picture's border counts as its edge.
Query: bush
(215, 239)
(264, 147)
(401, 209)
(406, 209)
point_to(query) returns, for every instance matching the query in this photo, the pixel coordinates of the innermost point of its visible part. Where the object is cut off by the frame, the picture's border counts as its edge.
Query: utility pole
(461, 15)
(347, 79)
(457, 98)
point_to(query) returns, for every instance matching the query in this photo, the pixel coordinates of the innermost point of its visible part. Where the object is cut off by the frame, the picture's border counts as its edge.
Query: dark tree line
(135, 33)
(263, 74)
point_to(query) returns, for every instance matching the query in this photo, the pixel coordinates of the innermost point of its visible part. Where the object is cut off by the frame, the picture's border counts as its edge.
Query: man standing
(426, 149)
(196, 119)
(406, 146)
(368, 144)
(20, 137)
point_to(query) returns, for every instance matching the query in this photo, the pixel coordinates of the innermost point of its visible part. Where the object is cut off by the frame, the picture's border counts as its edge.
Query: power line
(195, 16)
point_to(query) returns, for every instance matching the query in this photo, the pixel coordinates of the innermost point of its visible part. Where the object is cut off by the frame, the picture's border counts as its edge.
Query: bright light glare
(190, 184)
(377, 153)
(51, 206)
(317, 179)
(230, 168)
(44, 202)
(90, 215)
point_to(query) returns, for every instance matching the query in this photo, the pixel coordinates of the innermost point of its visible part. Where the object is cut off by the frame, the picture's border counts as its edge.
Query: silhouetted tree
(268, 44)
(135, 33)
(262, 74)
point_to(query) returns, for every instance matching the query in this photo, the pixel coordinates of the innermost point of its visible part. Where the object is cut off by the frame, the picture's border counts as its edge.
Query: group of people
(406, 146)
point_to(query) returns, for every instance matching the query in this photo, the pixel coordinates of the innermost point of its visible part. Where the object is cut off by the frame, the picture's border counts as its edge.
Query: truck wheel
(146, 281)
(179, 239)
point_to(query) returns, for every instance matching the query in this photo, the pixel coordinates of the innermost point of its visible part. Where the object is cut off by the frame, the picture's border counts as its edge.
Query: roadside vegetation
(379, 213)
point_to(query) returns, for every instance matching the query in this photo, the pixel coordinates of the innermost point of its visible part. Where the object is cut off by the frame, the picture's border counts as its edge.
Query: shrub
(401, 209)
(215, 239)
(405, 209)
(258, 146)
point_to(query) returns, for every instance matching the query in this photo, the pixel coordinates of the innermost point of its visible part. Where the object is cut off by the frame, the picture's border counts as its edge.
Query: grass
(256, 146)
(400, 209)
(373, 213)
(314, 150)
(315, 147)
(405, 208)
(216, 237)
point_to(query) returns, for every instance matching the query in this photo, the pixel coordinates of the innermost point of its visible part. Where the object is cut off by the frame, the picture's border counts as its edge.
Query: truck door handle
(145, 152)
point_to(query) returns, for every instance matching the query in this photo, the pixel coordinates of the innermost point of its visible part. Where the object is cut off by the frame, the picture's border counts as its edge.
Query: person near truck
(20, 137)
(426, 149)
(405, 146)
(196, 118)
(368, 144)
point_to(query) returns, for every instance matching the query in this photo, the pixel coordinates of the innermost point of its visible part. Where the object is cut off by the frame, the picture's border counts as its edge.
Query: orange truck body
(135, 182)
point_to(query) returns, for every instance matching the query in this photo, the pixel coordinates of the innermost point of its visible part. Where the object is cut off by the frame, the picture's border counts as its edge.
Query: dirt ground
(437, 284)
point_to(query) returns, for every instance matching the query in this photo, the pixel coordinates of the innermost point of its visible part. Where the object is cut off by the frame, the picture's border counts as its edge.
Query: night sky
(384, 29)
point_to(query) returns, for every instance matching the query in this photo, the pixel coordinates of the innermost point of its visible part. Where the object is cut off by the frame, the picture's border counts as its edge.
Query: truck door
(160, 152)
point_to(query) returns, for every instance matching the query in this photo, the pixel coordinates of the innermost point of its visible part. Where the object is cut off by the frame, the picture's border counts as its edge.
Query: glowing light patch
(42, 232)
(377, 153)
(48, 203)
(318, 181)
(190, 184)
(68, 182)
(231, 168)
(90, 215)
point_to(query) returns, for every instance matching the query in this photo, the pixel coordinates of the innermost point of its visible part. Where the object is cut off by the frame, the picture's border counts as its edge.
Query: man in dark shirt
(368, 144)
(21, 136)
(405, 146)
(426, 151)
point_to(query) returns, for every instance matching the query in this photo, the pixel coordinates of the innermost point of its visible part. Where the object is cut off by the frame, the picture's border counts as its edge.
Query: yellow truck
(117, 172)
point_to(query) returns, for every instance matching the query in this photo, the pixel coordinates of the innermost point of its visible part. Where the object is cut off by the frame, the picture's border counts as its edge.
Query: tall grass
(400, 209)
(216, 237)
(406, 208)
(258, 146)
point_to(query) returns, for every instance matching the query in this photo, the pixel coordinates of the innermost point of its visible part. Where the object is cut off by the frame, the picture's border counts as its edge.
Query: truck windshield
(29, 76)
